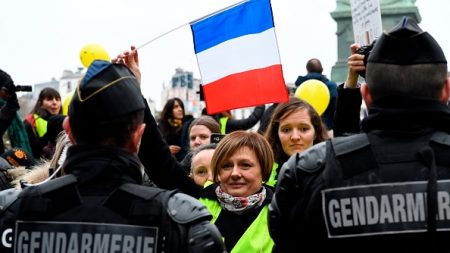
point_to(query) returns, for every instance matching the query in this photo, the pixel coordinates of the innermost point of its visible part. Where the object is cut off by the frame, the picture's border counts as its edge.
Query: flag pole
(162, 35)
(188, 23)
(218, 11)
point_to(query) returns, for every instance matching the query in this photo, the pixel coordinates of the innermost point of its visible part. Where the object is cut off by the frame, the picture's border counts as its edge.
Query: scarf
(240, 205)
(17, 133)
(176, 123)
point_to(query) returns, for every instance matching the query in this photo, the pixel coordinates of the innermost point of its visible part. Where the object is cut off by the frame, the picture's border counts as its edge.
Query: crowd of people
(115, 178)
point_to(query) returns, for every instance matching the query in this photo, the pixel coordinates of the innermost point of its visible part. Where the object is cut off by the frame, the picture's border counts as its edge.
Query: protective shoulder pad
(310, 160)
(7, 197)
(348, 144)
(184, 209)
(441, 138)
(50, 186)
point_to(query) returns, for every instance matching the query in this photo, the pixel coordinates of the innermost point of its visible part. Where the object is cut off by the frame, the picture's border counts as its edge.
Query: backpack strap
(354, 154)
(46, 200)
(138, 203)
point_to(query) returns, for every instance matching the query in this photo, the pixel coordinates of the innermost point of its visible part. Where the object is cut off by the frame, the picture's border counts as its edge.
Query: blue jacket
(328, 115)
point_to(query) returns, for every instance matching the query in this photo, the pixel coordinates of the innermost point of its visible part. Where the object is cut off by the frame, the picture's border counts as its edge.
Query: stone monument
(392, 12)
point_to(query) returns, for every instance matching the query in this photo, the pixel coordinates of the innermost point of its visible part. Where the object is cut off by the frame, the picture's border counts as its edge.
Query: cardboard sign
(366, 19)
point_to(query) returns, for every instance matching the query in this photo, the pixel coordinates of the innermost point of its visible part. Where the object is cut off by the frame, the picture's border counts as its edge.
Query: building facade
(183, 85)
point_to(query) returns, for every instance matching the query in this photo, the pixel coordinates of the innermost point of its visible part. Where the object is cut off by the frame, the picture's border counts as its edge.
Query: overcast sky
(39, 39)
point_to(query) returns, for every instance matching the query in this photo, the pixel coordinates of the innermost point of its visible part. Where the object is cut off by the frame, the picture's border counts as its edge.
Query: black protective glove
(6, 82)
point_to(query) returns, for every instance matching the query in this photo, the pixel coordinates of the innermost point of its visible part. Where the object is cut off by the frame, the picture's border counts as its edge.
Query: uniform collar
(89, 161)
(407, 114)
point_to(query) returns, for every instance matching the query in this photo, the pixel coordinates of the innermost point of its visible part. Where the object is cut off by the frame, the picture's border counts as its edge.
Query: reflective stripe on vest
(41, 125)
(223, 125)
(273, 176)
(255, 239)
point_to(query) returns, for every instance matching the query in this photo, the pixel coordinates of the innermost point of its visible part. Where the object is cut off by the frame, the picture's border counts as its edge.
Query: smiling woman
(238, 199)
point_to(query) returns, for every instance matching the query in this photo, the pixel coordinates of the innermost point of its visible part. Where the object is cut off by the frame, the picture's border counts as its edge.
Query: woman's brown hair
(282, 111)
(236, 140)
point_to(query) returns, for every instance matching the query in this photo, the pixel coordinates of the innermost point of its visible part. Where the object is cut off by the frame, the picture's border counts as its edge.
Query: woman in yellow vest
(238, 198)
(47, 105)
(294, 127)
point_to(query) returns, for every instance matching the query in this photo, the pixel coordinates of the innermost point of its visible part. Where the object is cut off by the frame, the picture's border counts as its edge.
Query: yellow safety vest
(41, 125)
(255, 239)
(223, 125)
(273, 176)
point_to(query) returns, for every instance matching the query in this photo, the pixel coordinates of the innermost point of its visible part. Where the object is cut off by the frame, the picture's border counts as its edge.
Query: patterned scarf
(240, 205)
(176, 123)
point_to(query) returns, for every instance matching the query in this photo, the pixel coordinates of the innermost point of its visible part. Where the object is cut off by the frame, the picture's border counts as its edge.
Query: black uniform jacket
(371, 192)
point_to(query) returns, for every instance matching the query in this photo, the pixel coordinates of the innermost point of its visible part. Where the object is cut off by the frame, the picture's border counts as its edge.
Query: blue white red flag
(238, 58)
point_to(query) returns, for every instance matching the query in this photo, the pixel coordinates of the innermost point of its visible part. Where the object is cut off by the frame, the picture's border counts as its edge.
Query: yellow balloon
(316, 93)
(66, 103)
(91, 52)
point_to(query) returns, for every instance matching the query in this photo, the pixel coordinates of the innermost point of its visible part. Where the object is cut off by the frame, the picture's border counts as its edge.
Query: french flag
(238, 57)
